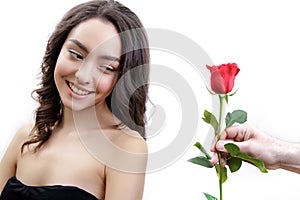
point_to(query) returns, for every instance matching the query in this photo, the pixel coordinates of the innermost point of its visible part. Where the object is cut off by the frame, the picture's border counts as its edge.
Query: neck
(94, 117)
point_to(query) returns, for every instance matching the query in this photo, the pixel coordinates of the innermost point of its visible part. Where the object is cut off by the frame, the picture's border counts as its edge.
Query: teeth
(76, 90)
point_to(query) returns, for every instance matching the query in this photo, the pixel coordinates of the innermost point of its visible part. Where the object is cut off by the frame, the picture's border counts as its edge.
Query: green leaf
(235, 159)
(258, 163)
(233, 93)
(238, 116)
(222, 173)
(212, 93)
(201, 160)
(234, 164)
(226, 98)
(202, 149)
(210, 119)
(232, 149)
(209, 197)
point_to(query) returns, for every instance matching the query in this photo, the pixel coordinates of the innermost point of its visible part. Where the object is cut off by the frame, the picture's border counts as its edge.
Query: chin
(77, 106)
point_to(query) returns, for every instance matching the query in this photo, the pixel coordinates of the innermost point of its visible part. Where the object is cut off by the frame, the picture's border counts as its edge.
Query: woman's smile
(84, 69)
(78, 90)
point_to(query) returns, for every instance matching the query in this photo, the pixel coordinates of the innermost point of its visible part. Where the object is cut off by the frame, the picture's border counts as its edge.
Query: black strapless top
(16, 190)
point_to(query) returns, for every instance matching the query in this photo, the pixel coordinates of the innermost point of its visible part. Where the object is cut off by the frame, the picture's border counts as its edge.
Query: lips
(78, 91)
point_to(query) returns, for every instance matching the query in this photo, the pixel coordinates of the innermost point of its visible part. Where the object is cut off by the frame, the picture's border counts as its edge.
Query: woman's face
(87, 66)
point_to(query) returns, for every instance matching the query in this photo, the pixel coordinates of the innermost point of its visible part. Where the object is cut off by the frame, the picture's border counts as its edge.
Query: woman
(94, 85)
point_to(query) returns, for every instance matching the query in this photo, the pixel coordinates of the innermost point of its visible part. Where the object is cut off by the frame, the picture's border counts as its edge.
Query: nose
(84, 74)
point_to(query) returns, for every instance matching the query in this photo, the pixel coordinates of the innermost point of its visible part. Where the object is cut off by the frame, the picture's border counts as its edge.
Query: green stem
(220, 116)
(220, 177)
(219, 153)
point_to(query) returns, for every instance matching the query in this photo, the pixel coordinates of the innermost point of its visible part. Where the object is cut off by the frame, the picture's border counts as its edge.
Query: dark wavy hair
(135, 55)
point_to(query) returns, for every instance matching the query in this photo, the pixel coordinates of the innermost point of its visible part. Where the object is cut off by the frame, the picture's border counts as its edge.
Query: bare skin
(62, 157)
(274, 152)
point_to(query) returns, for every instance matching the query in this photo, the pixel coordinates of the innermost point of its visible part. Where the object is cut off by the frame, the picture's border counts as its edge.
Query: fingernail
(220, 146)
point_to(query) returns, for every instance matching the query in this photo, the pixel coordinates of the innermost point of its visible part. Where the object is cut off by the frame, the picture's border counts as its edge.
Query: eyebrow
(110, 58)
(80, 45)
(84, 48)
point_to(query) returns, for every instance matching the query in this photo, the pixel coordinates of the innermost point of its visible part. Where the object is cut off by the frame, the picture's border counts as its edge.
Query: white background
(262, 37)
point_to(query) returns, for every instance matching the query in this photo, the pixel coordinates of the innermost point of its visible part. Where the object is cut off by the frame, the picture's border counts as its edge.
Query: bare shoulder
(131, 141)
(126, 176)
(14, 149)
(23, 133)
(21, 136)
(131, 154)
(9, 161)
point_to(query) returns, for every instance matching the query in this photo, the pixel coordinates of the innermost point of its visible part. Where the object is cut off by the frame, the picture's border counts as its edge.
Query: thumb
(220, 146)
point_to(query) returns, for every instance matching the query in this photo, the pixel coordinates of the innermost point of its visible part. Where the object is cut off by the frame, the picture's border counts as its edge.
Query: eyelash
(108, 68)
(78, 56)
(75, 55)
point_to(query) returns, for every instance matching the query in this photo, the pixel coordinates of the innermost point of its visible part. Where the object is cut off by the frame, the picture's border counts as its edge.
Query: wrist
(289, 156)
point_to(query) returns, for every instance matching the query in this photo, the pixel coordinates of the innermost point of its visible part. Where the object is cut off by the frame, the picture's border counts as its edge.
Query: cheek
(64, 66)
(106, 84)
(61, 67)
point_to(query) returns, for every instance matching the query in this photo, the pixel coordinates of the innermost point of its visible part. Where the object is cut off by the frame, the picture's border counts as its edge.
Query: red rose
(222, 77)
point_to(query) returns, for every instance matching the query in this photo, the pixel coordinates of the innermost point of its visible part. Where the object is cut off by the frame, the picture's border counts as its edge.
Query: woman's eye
(75, 55)
(107, 68)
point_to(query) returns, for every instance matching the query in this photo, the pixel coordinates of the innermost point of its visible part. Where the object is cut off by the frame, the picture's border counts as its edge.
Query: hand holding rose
(274, 152)
(222, 82)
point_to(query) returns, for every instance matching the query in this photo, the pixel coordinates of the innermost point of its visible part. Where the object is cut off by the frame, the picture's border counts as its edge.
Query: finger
(244, 146)
(220, 146)
(231, 132)
(214, 159)
(213, 146)
(223, 135)
(237, 133)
